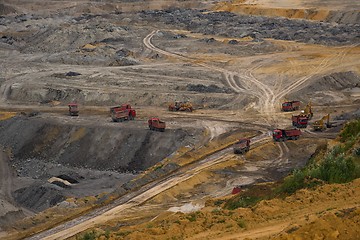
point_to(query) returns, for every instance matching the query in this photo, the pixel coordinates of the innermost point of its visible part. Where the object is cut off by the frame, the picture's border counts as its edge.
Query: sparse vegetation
(235, 86)
(241, 223)
(242, 202)
(122, 233)
(351, 130)
(191, 217)
(89, 236)
(338, 165)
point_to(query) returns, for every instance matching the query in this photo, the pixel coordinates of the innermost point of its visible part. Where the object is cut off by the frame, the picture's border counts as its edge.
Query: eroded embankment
(323, 13)
(103, 148)
(85, 160)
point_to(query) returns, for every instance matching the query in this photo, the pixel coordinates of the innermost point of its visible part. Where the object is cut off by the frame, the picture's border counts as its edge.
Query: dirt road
(139, 197)
(236, 70)
(268, 100)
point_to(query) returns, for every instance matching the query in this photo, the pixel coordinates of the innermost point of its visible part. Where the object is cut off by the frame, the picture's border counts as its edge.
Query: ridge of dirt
(6, 9)
(44, 150)
(148, 54)
(257, 27)
(347, 13)
(336, 86)
(296, 216)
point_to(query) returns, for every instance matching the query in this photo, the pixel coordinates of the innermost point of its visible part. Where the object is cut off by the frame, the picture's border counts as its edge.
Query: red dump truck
(242, 146)
(156, 124)
(290, 106)
(286, 134)
(122, 113)
(73, 109)
(300, 121)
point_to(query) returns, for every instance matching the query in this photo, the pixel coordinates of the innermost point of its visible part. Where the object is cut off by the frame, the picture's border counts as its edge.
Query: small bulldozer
(322, 124)
(181, 106)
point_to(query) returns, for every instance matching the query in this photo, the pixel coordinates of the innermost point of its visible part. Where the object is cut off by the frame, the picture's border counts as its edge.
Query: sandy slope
(162, 60)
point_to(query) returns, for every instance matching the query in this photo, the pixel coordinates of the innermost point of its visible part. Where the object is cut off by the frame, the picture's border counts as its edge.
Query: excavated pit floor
(214, 59)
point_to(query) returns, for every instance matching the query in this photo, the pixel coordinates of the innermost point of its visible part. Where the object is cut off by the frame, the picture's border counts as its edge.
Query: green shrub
(352, 129)
(123, 234)
(191, 217)
(89, 236)
(357, 152)
(335, 169)
(293, 182)
(241, 223)
(242, 202)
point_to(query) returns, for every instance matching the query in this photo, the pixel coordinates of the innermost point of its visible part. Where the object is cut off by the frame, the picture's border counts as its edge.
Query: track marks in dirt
(139, 197)
(251, 85)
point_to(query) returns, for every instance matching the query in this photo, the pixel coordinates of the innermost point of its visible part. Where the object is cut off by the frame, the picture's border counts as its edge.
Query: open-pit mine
(118, 119)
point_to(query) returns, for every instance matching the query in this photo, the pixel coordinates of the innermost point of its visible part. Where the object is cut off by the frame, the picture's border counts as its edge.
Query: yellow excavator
(181, 106)
(307, 111)
(322, 124)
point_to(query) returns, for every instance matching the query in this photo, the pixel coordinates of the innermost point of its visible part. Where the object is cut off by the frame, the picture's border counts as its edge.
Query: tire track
(137, 198)
(258, 89)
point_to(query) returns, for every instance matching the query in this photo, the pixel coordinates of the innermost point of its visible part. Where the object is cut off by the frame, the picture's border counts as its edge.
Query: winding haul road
(268, 97)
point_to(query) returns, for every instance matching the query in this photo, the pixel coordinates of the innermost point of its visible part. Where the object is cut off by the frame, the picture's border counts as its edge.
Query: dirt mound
(10, 217)
(326, 212)
(6, 9)
(209, 89)
(239, 26)
(330, 88)
(352, 17)
(39, 198)
(346, 13)
(337, 81)
(339, 225)
(135, 149)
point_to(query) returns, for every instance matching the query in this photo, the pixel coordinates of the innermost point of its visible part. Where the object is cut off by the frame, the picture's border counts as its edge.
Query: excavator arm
(323, 123)
(308, 111)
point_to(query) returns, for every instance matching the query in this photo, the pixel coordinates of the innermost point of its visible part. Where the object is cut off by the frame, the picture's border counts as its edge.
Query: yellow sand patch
(6, 115)
(307, 59)
(265, 151)
(50, 136)
(88, 46)
(186, 188)
(78, 134)
(251, 9)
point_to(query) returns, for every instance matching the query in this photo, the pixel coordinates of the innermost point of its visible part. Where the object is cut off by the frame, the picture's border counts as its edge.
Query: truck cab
(286, 134)
(300, 121)
(290, 106)
(73, 109)
(277, 134)
(242, 146)
(156, 124)
(122, 113)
